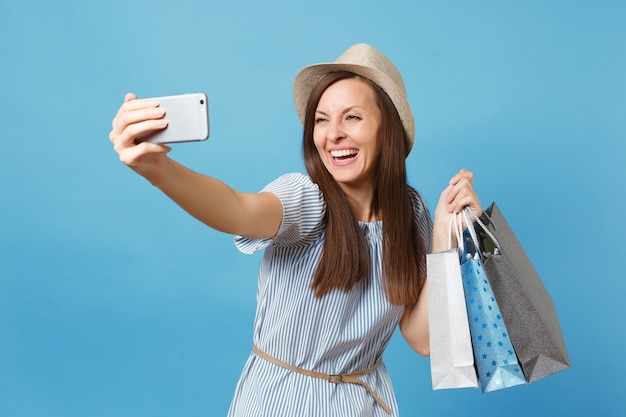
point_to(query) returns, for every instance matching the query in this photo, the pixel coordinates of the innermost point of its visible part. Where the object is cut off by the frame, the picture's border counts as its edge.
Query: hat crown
(366, 56)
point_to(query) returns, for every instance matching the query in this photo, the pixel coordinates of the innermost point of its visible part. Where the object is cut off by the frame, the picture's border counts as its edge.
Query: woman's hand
(136, 117)
(458, 194)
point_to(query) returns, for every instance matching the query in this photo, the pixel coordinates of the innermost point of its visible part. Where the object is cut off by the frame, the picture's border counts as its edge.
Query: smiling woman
(344, 247)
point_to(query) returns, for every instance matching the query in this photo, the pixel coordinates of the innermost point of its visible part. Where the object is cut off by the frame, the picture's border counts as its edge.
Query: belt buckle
(335, 379)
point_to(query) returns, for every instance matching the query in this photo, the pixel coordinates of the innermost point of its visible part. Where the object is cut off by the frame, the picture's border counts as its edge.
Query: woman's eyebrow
(344, 111)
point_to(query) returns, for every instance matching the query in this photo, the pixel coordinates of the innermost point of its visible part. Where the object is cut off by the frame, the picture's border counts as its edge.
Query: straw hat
(364, 60)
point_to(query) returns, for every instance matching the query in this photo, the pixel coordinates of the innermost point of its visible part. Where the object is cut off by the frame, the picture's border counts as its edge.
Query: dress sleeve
(303, 214)
(423, 219)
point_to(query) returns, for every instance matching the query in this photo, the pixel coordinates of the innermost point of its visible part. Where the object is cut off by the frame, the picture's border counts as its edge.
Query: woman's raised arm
(255, 215)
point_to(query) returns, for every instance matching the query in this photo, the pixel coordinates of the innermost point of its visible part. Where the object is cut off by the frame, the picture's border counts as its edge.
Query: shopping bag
(451, 354)
(495, 356)
(527, 307)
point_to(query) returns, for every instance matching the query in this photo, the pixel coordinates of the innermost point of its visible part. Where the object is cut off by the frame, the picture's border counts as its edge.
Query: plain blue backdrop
(114, 302)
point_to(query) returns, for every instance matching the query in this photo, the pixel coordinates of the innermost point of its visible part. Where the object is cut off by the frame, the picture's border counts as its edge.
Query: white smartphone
(187, 116)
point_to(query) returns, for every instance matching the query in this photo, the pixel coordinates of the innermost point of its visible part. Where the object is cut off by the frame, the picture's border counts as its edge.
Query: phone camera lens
(201, 101)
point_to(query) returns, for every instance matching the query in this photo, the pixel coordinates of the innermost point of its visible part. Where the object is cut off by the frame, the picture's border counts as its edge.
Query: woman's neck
(362, 205)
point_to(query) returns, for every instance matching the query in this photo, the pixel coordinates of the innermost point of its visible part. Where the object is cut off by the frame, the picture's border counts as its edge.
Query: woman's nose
(335, 131)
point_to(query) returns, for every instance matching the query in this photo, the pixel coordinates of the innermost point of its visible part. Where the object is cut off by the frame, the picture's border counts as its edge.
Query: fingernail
(158, 111)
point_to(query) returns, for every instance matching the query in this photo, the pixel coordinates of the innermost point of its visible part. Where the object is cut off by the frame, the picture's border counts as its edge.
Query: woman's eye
(353, 117)
(319, 120)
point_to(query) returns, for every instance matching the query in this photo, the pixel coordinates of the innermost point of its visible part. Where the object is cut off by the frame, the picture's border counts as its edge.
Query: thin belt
(336, 379)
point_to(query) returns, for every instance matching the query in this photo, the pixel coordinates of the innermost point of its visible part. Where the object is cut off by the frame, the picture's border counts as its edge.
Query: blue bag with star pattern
(494, 355)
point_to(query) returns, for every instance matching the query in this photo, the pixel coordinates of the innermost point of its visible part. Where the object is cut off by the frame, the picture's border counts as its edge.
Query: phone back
(187, 116)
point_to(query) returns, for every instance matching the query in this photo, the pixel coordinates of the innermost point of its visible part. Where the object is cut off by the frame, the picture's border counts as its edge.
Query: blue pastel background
(114, 302)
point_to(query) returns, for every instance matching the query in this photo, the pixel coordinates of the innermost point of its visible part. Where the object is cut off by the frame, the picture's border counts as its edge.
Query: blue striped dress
(341, 332)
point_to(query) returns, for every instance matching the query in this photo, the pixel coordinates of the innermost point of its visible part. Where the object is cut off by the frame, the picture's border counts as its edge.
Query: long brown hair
(345, 258)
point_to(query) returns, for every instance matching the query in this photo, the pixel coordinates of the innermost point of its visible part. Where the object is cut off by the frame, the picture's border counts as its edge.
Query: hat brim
(308, 76)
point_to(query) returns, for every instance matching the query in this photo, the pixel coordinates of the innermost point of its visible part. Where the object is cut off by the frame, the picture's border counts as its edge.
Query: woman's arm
(414, 324)
(459, 193)
(255, 215)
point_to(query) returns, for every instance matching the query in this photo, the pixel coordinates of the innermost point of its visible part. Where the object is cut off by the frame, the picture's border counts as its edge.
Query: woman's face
(346, 133)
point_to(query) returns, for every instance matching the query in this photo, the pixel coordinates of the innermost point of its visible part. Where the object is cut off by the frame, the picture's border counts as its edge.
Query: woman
(345, 246)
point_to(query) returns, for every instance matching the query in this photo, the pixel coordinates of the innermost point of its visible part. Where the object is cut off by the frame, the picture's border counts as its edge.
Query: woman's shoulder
(303, 207)
(303, 214)
(295, 186)
(416, 198)
(419, 208)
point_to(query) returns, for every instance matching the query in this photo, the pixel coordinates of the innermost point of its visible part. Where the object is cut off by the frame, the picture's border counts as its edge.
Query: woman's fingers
(126, 138)
(133, 156)
(136, 110)
(461, 193)
(129, 97)
(135, 117)
(462, 176)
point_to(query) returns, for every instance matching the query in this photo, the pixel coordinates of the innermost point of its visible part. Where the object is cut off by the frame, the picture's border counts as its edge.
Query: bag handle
(458, 231)
(472, 232)
(470, 217)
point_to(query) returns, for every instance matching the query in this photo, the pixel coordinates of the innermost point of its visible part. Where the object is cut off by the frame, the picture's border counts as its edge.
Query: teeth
(343, 153)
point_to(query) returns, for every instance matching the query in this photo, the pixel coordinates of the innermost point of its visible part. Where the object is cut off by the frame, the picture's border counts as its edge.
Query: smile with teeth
(343, 154)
